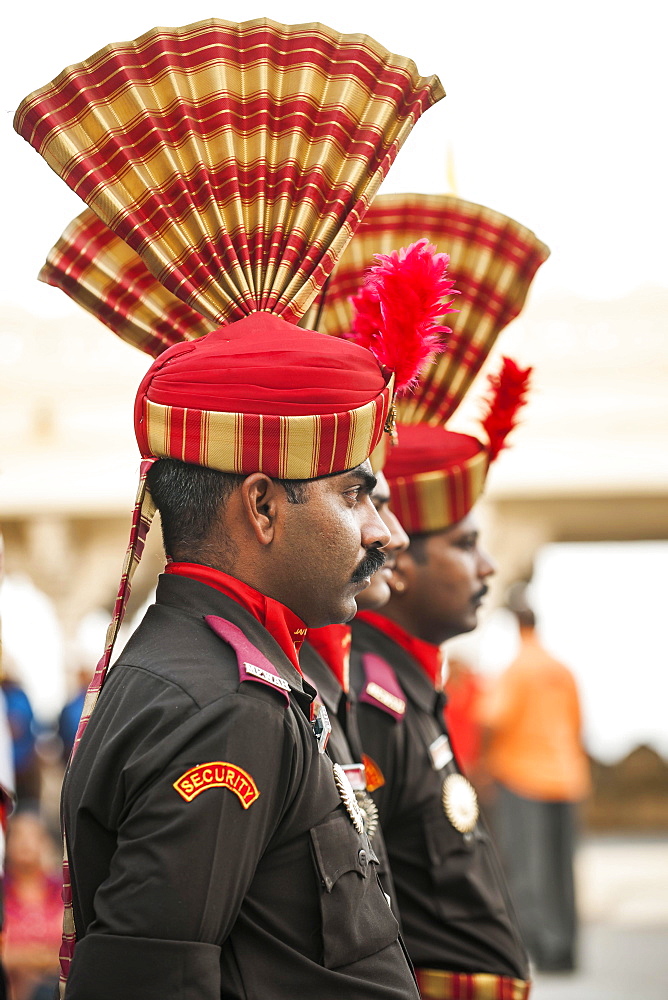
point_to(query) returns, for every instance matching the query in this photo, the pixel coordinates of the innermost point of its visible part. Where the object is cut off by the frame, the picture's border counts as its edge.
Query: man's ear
(260, 501)
(403, 574)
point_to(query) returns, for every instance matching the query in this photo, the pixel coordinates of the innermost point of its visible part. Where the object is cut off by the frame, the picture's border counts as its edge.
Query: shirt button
(362, 858)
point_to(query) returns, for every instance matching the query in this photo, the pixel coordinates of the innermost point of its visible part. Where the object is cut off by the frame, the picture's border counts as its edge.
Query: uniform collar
(412, 676)
(287, 629)
(317, 672)
(333, 644)
(428, 656)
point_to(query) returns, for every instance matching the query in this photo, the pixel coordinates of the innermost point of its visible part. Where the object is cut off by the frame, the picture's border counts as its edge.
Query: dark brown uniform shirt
(345, 744)
(455, 910)
(186, 883)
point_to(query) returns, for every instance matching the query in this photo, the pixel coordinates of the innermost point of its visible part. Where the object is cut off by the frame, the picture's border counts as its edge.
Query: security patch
(217, 774)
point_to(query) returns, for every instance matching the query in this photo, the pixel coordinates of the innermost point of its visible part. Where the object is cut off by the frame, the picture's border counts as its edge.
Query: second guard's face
(378, 592)
(447, 589)
(333, 544)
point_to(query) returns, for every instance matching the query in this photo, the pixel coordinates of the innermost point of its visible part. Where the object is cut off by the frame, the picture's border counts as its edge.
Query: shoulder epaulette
(381, 687)
(253, 665)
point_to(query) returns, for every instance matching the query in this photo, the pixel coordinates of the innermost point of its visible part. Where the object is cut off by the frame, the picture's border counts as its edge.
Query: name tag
(440, 752)
(356, 776)
(264, 675)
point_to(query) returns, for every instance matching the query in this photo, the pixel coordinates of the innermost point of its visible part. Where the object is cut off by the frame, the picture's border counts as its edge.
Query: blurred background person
(68, 720)
(33, 909)
(534, 754)
(21, 721)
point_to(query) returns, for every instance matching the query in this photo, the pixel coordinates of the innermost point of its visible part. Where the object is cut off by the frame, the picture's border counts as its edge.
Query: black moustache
(371, 563)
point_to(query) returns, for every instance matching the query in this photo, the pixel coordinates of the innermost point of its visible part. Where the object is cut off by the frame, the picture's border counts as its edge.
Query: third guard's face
(448, 587)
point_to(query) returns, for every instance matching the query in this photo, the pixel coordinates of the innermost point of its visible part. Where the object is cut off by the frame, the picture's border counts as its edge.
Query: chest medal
(345, 790)
(460, 802)
(369, 811)
(356, 774)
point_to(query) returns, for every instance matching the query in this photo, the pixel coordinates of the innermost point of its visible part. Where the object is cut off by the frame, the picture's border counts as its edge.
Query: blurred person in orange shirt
(33, 909)
(534, 754)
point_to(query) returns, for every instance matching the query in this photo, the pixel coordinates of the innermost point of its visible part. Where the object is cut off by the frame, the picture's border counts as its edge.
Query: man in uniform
(458, 921)
(325, 660)
(459, 925)
(215, 850)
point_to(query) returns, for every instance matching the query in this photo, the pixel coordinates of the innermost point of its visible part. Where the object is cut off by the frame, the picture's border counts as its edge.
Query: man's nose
(375, 534)
(486, 565)
(399, 540)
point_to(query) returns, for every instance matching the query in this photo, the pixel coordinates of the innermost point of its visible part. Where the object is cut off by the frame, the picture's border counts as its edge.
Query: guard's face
(331, 546)
(378, 592)
(445, 589)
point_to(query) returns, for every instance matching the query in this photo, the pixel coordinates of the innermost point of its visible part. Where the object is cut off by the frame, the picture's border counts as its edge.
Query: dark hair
(517, 600)
(526, 618)
(191, 497)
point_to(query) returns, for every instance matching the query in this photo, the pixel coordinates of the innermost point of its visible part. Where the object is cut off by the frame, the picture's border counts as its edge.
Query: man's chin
(467, 624)
(343, 613)
(375, 596)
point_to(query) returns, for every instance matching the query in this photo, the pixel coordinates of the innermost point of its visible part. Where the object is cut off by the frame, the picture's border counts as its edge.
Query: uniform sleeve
(199, 807)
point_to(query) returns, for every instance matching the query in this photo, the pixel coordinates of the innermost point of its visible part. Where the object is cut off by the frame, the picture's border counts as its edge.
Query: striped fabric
(283, 447)
(142, 517)
(281, 130)
(102, 274)
(435, 984)
(435, 500)
(493, 260)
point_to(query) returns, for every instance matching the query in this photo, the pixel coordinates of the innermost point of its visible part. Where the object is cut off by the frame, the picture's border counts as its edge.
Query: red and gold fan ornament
(234, 161)
(436, 475)
(103, 274)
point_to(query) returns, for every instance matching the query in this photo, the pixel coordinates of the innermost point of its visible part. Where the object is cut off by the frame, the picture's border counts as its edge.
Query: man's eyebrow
(381, 497)
(369, 481)
(472, 535)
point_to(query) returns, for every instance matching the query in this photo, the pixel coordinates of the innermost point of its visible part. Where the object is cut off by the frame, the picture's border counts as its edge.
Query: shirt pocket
(356, 918)
(463, 869)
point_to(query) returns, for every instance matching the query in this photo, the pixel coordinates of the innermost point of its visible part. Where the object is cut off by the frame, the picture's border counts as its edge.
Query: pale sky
(555, 114)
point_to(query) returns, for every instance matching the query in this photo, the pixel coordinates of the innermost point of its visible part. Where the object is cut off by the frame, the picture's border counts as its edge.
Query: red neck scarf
(428, 656)
(333, 644)
(286, 628)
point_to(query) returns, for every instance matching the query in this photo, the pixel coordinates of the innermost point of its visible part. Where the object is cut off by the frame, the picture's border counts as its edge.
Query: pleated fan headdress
(435, 474)
(235, 161)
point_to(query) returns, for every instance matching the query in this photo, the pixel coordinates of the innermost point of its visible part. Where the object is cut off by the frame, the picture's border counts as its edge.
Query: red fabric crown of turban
(264, 395)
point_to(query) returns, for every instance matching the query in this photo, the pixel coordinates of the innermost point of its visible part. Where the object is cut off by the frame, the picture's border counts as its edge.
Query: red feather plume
(398, 309)
(509, 390)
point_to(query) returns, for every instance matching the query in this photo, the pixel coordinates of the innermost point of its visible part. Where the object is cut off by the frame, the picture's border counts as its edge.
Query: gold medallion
(369, 811)
(460, 802)
(347, 794)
